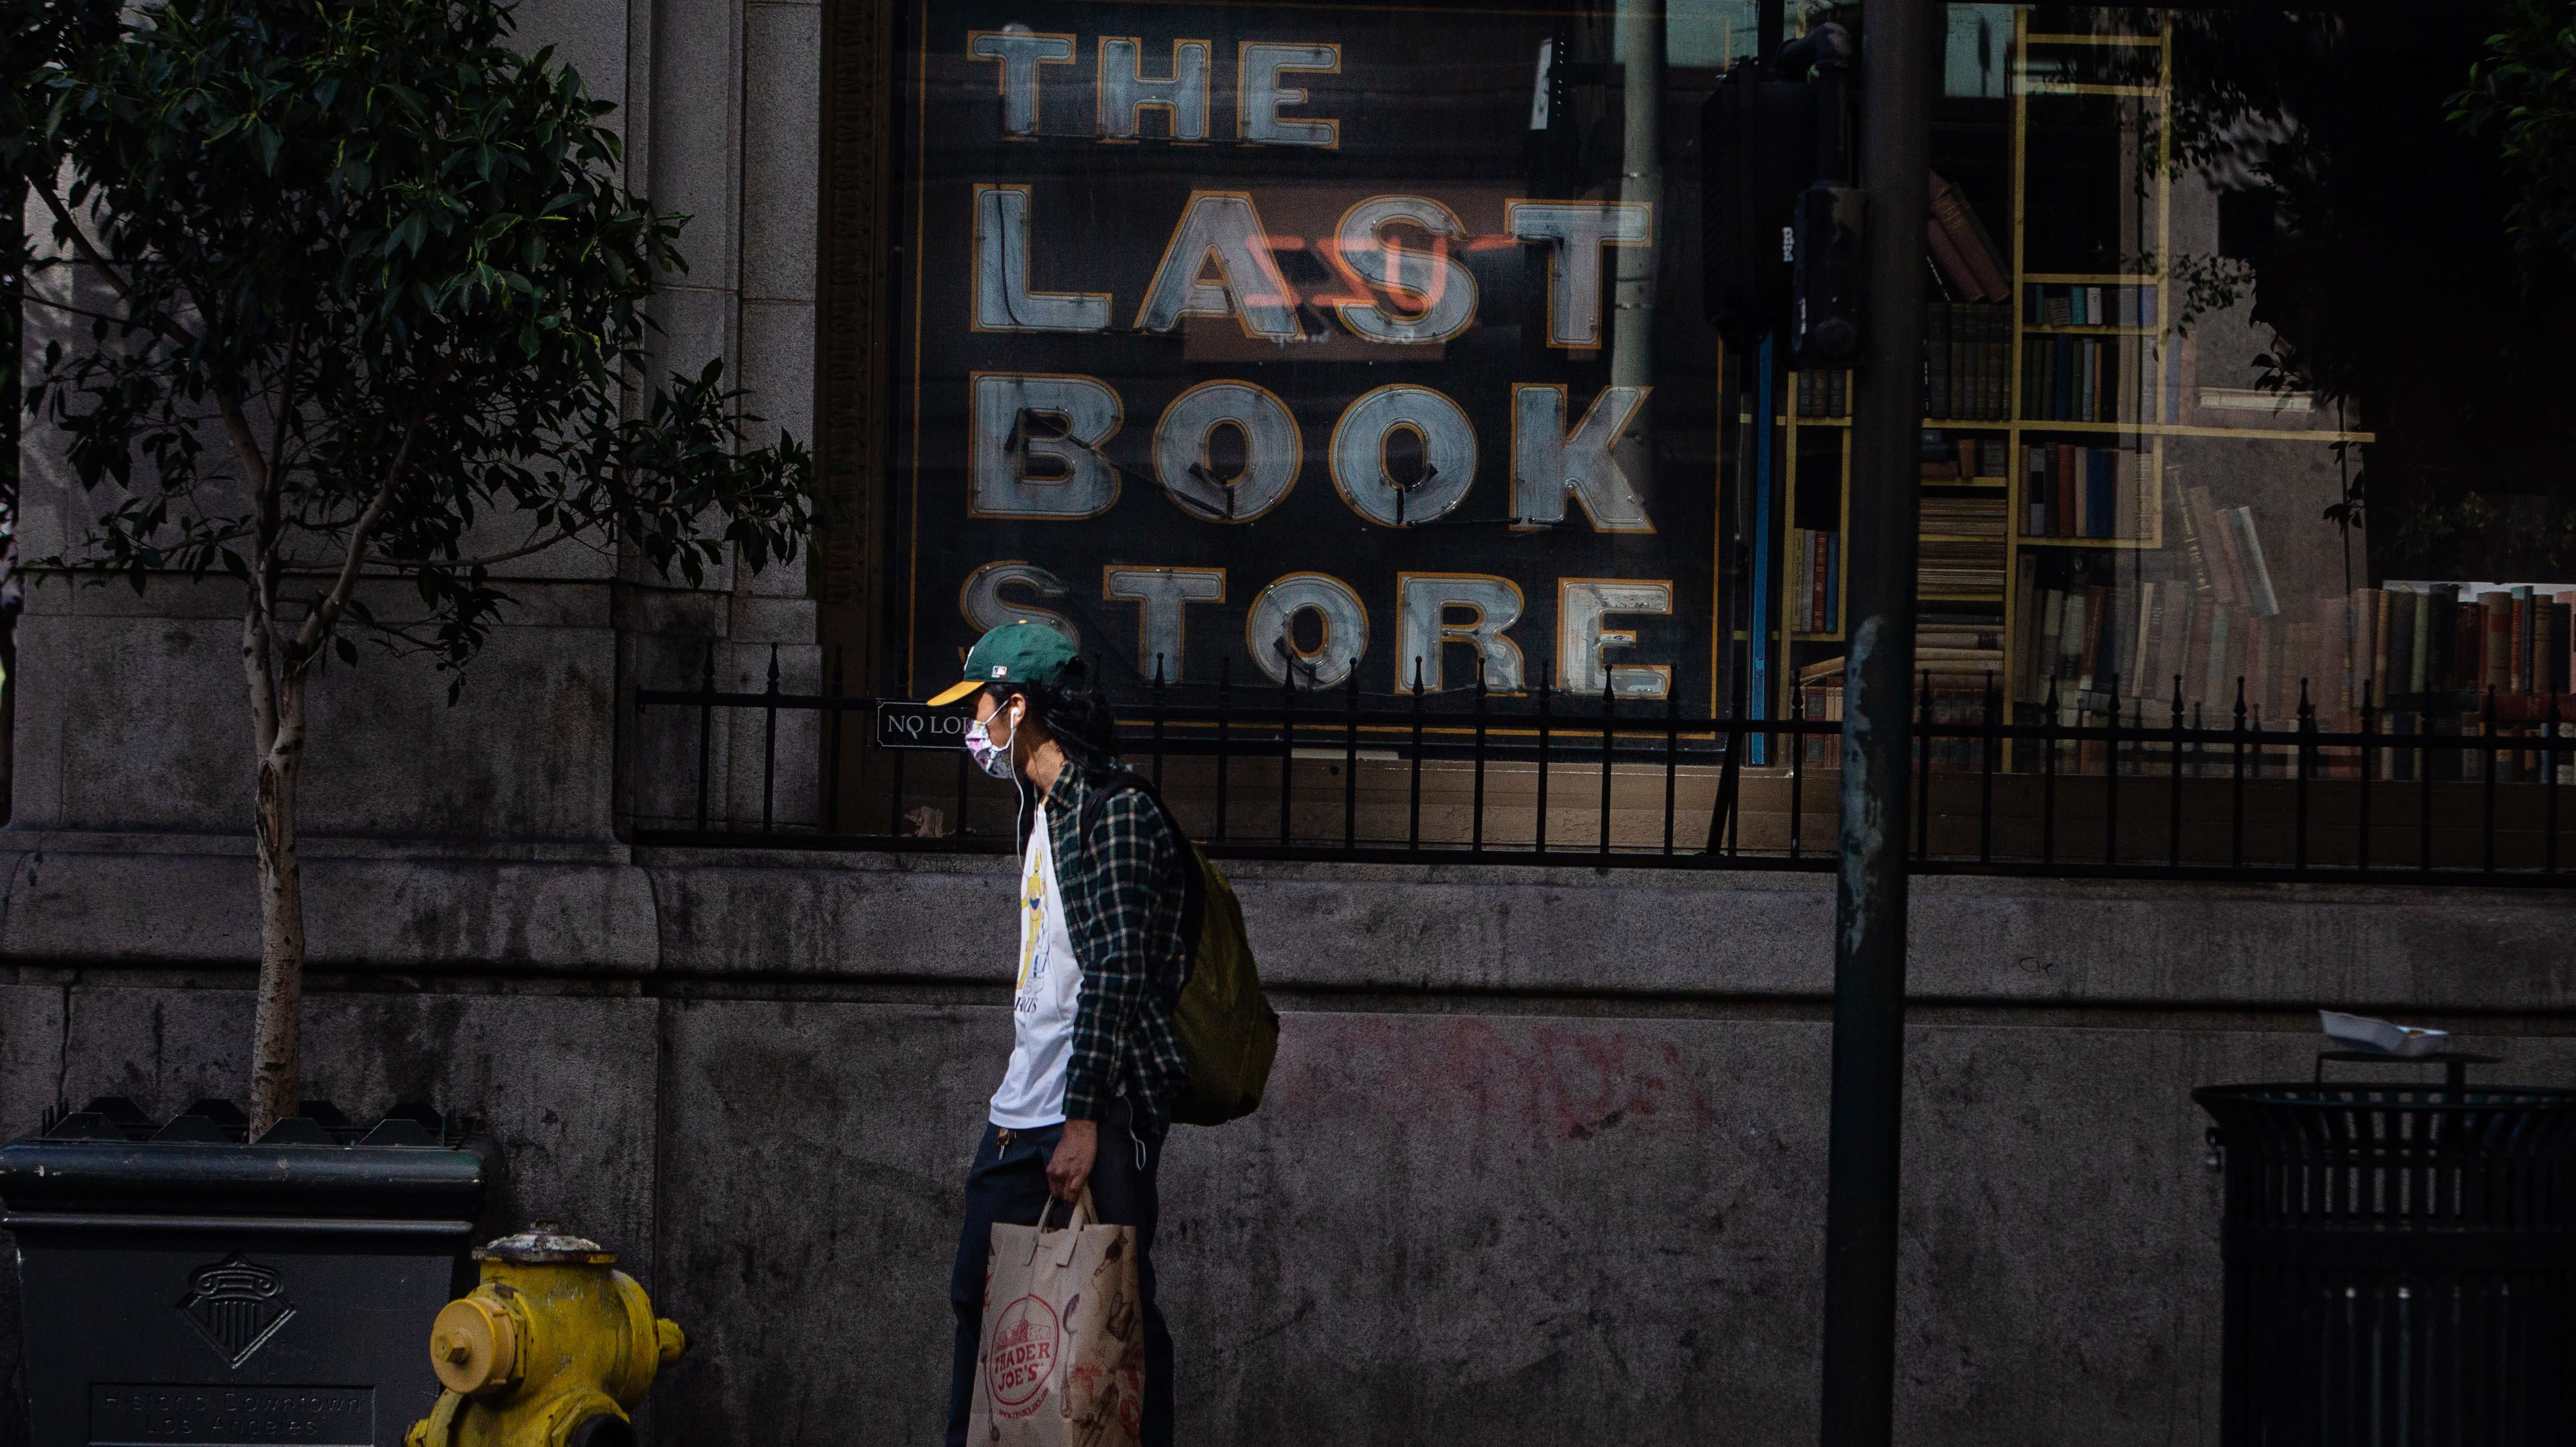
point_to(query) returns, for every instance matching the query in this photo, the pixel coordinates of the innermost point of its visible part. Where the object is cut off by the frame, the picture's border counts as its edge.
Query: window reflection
(1385, 323)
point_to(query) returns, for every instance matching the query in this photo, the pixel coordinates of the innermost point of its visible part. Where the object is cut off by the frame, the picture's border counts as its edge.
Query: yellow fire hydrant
(550, 1350)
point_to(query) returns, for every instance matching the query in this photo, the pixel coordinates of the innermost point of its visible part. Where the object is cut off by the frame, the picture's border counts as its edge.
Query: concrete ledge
(797, 917)
(145, 900)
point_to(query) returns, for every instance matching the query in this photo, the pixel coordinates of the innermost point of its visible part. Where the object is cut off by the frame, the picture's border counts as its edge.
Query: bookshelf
(2077, 382)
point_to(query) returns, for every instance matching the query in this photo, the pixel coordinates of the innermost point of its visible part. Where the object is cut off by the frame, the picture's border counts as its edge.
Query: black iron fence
(2092, 783)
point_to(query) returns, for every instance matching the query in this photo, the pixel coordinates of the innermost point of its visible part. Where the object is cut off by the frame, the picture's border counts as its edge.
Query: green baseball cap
(1021, 652)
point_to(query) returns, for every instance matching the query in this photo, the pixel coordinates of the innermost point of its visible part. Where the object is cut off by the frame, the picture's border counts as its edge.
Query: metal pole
(1641, 181)
(1898, 49)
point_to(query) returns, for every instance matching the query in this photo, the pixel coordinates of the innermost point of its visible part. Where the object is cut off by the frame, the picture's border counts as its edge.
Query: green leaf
(441, 226)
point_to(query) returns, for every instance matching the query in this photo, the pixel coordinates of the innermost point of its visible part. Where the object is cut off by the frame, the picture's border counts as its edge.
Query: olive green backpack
(1228, 1032)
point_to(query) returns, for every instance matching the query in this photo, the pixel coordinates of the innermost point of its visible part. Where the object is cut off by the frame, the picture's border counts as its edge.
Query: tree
(2523, 93)
(2380, 255)
(369, 290)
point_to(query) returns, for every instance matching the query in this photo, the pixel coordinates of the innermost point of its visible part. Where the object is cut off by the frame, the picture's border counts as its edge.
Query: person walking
(1086, 1097)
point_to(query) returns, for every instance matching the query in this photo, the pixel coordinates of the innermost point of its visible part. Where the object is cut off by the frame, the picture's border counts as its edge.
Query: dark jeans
(1008, 1184)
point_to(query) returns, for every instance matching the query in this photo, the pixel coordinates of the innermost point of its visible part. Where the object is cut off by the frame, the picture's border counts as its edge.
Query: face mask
(992, 758)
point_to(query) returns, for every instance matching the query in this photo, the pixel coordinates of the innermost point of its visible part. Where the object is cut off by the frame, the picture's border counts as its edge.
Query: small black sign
(919, 726)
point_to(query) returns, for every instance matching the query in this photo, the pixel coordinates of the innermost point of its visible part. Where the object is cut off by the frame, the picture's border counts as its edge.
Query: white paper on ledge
(2360, 1032)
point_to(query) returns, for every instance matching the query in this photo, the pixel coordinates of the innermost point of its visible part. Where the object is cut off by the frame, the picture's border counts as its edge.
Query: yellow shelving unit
(2037, 73)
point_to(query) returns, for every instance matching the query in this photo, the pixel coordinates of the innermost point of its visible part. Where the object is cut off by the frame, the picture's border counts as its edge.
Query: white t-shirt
(1032, 1093)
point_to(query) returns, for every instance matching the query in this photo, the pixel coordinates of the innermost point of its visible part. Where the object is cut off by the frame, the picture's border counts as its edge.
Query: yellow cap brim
(951, 695)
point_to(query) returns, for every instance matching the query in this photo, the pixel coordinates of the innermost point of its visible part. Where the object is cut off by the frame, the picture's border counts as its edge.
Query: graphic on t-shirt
(1033, 931)
(1046, 1001)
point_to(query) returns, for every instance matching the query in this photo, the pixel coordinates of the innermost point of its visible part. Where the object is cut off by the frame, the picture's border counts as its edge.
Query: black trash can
(2400, 1264)
(179, 1285)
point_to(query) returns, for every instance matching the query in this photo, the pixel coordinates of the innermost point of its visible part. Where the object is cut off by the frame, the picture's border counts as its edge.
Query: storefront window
(1326, 345)
(2237, 435)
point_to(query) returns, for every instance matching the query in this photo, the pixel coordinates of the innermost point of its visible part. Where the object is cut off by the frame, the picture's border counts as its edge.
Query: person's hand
(1070, 1166)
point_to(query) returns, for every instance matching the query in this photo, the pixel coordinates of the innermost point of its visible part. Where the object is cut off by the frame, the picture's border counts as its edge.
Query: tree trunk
(277, 1039)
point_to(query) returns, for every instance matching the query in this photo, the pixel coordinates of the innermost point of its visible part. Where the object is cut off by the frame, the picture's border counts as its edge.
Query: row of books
(2139, 646)
(2088, 306)
(2447, 638)
(1967, 362)
(2071, 379)
(2409, 653)
(2432, 658)
(1823, 394)
(2139, 642)
(1815, 580)
(2088, 492)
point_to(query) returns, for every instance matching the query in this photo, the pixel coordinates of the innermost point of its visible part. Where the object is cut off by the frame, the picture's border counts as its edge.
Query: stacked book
(1971, 517)
(1949, 650)
(1959, 567)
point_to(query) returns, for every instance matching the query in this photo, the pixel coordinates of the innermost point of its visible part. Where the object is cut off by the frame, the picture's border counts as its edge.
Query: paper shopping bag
(1062, 1362)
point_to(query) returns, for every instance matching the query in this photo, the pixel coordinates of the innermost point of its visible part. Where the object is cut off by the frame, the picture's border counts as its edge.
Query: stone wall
(1543, 1159)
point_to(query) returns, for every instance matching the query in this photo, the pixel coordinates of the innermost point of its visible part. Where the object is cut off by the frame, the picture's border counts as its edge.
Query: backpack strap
(1102, 783)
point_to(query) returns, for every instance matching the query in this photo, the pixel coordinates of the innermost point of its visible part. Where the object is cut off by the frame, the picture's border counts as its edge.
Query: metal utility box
(181, 1286)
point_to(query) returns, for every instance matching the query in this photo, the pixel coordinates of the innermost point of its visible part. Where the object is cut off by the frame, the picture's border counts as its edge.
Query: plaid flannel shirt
(1125, 889)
